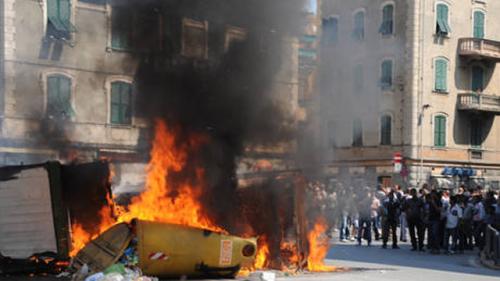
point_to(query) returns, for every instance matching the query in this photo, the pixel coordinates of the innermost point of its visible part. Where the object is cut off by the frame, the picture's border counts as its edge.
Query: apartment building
(68, 68)
(412, 78)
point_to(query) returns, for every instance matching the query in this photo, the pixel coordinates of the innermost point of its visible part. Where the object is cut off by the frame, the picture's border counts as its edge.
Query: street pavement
(374, 264)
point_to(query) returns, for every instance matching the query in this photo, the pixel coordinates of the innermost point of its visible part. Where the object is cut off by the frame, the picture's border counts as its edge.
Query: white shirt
(479, 212)
(453, 215)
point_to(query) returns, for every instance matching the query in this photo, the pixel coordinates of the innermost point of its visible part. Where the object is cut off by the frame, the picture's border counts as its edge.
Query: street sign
(398, 160)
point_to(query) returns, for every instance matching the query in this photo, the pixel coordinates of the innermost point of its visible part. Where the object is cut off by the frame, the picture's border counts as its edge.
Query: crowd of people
(439, 221)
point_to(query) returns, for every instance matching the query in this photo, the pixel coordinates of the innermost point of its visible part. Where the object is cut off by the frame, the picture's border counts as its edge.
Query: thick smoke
(227, 97)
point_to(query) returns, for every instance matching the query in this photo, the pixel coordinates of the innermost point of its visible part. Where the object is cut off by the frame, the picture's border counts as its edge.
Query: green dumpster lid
(105, 250)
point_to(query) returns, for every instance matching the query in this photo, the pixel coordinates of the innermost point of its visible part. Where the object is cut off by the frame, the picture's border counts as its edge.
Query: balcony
(479, 103)
(481, 49)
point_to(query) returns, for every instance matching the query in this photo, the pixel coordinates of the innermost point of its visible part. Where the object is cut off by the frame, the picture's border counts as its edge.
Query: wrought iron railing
(491, 250)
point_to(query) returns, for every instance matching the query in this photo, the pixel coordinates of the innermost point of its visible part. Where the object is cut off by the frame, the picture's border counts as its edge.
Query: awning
(458, 171)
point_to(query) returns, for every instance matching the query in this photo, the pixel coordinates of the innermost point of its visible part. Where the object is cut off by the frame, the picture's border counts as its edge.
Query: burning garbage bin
(168, 250)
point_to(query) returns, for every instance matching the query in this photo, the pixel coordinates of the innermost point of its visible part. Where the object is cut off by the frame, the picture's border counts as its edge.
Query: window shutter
(478, 25)
(440, 131)
(477, 78)
(115, 103)
(440, 75)
(386, 130)
(334, 30)
(387, 20)
(386, 74)
(65, 96)
(121, 103)
(442, 20)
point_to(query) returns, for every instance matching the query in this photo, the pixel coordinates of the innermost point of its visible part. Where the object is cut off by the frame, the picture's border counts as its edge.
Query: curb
(488, 263)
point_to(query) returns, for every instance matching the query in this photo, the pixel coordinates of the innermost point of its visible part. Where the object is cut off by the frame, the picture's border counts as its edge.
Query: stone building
(418, 78)
(67, 73)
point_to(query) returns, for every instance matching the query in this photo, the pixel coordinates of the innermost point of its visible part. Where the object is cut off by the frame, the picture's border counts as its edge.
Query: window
(357, 133)
(440, 131)
(359, 26)
(59, 97)
(234, 35)
(59, 24)
(358, 79)
(121, 28)
(476, 133)
(440, 75)
(442, 20)
(330, 30)
(386, 79)
(386, 130)
(387, 26)
(477, 79)
(478, 24)
(135, 29)
(121, 103)
(194, 39)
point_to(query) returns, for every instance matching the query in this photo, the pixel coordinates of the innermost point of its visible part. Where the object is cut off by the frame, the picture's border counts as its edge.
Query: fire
(319, 244)
(262, 256)
(160, 201)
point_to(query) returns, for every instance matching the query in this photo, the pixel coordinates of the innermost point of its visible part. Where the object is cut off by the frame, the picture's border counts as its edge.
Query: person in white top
(479, 227)
(453, 217)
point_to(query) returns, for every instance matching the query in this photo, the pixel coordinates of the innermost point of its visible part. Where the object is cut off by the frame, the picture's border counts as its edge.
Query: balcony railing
(479, 102)
(479, 48)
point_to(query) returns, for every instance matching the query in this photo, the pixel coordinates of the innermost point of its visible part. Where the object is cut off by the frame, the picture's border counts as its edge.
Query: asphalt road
(374, 263)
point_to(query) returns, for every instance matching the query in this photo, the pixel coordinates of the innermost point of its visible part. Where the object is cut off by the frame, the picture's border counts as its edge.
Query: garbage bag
(116, 268)
(95, 277)
(113, 276)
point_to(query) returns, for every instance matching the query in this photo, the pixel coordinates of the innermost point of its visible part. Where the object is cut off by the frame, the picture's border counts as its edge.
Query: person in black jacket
(391, 207)
(414, 208)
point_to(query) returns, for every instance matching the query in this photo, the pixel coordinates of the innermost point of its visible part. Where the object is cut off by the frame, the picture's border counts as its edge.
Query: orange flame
(159, 202)
(319, 244)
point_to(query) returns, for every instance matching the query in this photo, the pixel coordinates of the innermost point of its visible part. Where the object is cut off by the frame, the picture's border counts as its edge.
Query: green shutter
(442, 20)
(359, 26)
(386, 130)
(121, 103)
(357, 133)
(334, 30)
(121, 28)
(115, 103)
(386, 79)
(59, 97)
(387, 20)
(477, 79)
(65, 96)
(59, 14)
(478, 24)
(440, 131)
(441, 70)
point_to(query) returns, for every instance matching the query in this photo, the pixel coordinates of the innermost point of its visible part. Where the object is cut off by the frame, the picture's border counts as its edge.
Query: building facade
(67, 70)
(416, 78)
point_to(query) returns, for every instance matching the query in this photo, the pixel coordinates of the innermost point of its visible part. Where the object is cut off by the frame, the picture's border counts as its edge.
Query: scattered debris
(37, 264)
(262, 276)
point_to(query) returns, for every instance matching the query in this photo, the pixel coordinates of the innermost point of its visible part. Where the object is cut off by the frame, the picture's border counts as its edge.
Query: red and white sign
(226, 252)
(397, 158)
(398, 162)
(158, 256)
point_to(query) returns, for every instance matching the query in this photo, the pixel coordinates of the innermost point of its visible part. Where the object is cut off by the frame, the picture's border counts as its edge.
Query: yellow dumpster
(169, 250)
